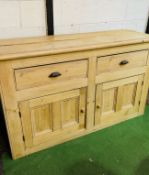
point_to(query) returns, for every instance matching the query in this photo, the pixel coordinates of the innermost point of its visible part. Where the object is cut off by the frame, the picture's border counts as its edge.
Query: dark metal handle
(54, 74)
(123, 62)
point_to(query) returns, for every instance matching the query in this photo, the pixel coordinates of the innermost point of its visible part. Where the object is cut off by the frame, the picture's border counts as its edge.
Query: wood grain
(93, 91)
(33, 47)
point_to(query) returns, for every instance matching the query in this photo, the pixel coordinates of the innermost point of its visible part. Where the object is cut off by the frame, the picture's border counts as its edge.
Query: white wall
(75, 16)
(21, 18)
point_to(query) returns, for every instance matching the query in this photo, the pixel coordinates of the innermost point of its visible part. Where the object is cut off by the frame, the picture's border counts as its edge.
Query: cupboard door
(53, 117)
(118, 99)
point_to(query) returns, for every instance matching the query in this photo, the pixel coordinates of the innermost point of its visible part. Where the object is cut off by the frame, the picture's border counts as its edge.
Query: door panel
(41, 119)
(55, 115)
(109, 100)
(118, 99)
(130, 91)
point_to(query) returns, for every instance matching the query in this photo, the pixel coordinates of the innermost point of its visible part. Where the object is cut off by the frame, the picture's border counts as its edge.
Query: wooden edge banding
(91, 92)
(70, 43)
(11, 111)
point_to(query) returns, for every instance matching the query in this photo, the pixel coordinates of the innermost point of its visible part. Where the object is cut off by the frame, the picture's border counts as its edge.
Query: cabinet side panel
(144, 91)
(10, 106)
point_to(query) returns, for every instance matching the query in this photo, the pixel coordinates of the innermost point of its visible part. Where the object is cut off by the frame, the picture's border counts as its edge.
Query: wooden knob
(82, 110)
(97, 106)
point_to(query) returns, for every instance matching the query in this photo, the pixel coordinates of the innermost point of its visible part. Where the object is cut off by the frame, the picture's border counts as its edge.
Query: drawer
(122, 61)
(50, 74)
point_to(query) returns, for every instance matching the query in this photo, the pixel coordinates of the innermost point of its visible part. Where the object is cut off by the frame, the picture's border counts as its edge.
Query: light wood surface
(53, 115)
(62, 44)
(57, 88)
(112, 63)
(39, 76)
(118, 98)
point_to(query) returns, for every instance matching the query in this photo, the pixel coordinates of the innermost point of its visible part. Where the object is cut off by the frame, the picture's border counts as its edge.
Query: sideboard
(56, 88)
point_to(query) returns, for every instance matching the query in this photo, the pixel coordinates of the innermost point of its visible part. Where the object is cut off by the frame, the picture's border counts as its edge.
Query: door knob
(82, 110)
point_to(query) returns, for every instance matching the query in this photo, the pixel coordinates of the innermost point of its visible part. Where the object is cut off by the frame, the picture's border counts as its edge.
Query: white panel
(71, 13)
(27, 17)
(103, 26)
(137, 9)
(13, 32)
(142, 25)
(132, 24)
(22, 18)
(73, 16)
(67, 29)
(33, 14)
(57, 12)
(94, 11)
(9, 14)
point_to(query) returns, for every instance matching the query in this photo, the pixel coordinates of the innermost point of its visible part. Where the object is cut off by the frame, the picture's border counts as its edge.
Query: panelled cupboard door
(118, 99)
(53, 117)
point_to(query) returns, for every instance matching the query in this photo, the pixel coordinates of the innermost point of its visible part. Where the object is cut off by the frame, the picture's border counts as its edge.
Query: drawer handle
(54, 74)
(123, 62)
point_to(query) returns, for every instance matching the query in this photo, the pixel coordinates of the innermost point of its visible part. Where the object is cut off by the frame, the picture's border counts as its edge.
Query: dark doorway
(147, 29)
(4, 143)
(50, 20)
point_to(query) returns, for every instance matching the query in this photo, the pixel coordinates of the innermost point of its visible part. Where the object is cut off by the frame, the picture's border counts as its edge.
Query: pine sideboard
(56, 88)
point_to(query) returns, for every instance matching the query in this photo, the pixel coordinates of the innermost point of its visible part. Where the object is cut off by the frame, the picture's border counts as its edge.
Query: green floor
(119, 150)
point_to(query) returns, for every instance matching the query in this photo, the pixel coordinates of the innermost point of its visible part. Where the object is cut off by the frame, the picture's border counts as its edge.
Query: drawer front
(50, 74)
(122, 61)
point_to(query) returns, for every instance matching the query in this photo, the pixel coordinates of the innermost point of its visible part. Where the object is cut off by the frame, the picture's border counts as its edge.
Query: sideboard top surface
(46, 45)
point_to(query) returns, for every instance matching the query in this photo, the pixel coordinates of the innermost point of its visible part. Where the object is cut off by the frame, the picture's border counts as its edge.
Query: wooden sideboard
(57, 88)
